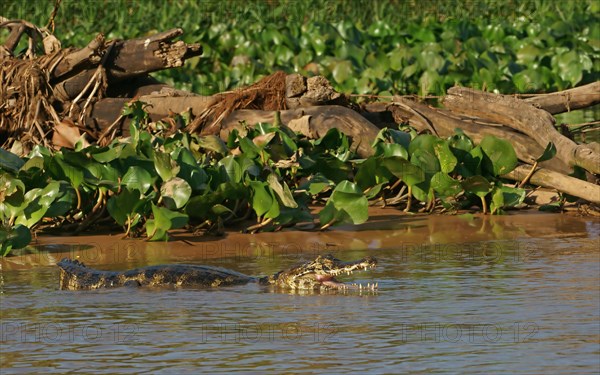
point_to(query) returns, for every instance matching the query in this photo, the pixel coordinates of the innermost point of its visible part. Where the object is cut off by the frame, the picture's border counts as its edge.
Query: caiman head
(320, 274)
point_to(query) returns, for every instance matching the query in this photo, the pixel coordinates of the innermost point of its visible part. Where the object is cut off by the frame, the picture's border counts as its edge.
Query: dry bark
(314, 123)
(123, 60)
(77, 60)
(106, 111)
(524, 117)
(140, 56)
(550, 179)
(445, 124)
(568, 100)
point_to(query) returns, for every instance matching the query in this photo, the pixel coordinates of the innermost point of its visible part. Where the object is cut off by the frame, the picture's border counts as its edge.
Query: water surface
(515, 294)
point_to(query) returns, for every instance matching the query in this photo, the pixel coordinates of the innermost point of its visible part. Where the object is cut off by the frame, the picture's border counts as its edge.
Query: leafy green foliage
(153, 183)
(347, 204)
(549, 153)
(10, 161)
(16, 237)
(500, 157)
(361, 46)
(164, 220)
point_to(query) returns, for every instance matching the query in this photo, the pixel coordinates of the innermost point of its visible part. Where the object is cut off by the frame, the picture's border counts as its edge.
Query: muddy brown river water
(515, 294)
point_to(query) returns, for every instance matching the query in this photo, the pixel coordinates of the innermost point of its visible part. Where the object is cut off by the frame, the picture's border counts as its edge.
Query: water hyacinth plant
(150, 183)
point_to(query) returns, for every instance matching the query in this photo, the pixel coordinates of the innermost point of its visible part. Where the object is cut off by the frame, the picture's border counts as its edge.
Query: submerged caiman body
(318, 274)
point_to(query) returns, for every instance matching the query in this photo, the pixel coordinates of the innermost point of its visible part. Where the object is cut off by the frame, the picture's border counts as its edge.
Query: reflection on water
(488, 296)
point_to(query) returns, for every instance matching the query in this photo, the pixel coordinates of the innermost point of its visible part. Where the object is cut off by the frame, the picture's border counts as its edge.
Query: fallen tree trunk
(319, 119)
(546, 178)
(144, 55)
(524, 117)
(445, 125)
(419, 115)
(124, 60)
(278, 91)
(313, 122)
(77, 60)
(39, 92)
(567, 100)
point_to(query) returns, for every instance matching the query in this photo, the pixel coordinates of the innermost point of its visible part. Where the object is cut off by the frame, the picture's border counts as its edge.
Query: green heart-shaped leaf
(175, 193)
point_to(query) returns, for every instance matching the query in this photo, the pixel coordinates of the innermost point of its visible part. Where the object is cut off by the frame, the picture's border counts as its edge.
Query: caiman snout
(321, 274)
(349, 267)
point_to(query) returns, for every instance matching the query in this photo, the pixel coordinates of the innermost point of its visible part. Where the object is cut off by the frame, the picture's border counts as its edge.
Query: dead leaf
(66, 134)
(51, 44)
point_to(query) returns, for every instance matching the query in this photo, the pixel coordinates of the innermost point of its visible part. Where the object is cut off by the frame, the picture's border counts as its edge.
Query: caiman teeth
(369, 286)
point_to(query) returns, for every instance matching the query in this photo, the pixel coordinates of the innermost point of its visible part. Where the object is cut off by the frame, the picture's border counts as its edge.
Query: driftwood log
(39, 92)
(524, 117)
(554, 180)
(567, 100)
(445, 123)
(122, 60)
(313, 122)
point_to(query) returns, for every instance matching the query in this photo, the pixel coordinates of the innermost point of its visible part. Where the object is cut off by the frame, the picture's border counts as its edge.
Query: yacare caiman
(319, 274)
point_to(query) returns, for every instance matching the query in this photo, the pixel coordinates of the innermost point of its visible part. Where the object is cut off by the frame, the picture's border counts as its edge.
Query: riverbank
(386, 229)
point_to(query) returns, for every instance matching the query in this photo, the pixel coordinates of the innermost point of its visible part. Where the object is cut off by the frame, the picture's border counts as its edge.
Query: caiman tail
(74, 275)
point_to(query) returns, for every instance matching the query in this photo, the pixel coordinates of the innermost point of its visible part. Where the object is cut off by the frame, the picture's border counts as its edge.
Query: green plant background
(361, 46)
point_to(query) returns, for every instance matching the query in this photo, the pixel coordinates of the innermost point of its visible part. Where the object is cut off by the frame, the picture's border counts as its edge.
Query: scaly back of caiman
(75, 275)
(318, 274)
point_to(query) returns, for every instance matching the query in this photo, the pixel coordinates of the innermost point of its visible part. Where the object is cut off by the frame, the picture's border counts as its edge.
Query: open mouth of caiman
(322, 272)
(330, 281)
